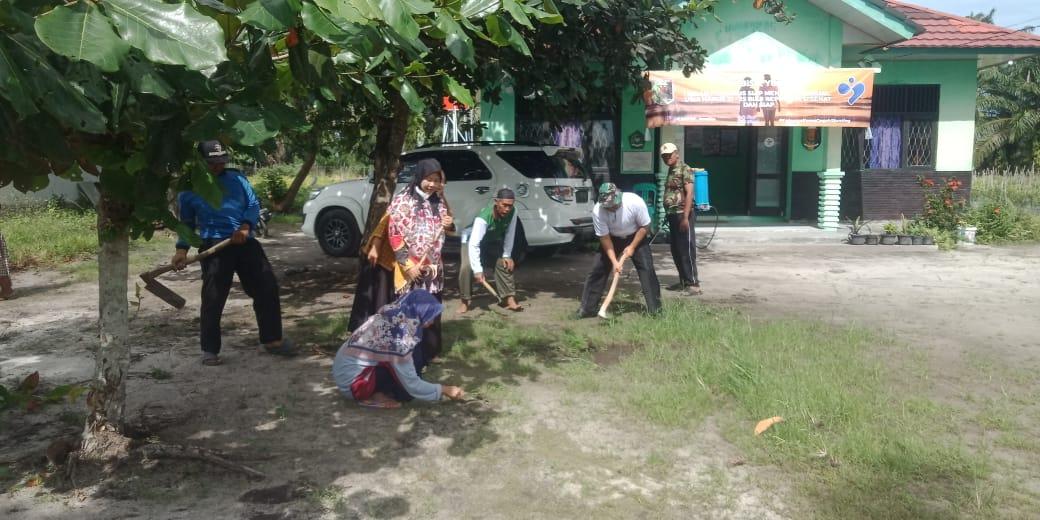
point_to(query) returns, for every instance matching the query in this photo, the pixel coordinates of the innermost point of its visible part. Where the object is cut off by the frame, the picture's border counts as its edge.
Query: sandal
(286, 349)
(211, 360)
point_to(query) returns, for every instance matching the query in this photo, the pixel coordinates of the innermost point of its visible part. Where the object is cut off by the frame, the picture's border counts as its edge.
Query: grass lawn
(858, 440)
(48, 235)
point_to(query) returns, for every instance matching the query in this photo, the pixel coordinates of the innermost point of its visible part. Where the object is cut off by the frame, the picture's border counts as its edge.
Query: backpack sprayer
(701, 204)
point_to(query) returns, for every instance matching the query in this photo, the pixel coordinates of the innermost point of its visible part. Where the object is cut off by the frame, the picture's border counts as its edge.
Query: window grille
(904, 130)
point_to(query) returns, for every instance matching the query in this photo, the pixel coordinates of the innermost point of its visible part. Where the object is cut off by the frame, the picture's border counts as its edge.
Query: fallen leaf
(30, 383)
(765, 424)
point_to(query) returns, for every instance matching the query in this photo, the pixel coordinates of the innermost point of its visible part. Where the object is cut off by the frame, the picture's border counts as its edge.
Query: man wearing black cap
(235, 219)
(622, 222)
(490, 240)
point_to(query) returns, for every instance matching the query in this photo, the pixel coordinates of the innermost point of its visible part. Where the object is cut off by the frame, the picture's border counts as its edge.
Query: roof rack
(522, 143)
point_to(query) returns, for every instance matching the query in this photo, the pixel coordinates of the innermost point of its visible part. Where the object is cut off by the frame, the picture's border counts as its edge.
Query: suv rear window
(535, 164)
(459, 165)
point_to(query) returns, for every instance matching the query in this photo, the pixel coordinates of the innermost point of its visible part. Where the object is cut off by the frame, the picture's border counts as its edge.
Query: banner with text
(725, 97)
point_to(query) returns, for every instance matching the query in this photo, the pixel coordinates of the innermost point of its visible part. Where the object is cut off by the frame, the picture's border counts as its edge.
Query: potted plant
(905, 236)
(917, 232)
(891, 236)
(855, 227)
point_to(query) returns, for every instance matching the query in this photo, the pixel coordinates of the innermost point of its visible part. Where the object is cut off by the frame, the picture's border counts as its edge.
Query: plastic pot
(928, 241)
(906, 240)
(889, 240)
(872, 240)
(857, 240)
(918, 240)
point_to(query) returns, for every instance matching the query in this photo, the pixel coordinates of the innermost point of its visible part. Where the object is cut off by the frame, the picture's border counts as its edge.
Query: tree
(1008, 115)
(103, 88)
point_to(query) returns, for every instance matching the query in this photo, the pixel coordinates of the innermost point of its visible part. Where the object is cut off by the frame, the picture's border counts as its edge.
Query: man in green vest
(490, 241)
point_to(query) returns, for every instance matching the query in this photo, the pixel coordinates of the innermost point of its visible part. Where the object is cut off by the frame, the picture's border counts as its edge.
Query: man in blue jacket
(235, 219)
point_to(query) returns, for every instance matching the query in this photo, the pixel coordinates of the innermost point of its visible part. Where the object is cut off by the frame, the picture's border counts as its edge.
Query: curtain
(886, 147)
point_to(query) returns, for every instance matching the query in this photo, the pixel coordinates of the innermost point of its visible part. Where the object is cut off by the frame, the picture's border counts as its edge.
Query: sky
(1010, 13)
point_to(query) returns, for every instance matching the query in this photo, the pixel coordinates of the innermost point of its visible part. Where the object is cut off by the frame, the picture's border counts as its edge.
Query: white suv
(554, 198)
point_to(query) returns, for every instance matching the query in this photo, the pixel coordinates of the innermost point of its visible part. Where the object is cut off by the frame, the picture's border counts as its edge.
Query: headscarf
(390, 336)
(423, 169)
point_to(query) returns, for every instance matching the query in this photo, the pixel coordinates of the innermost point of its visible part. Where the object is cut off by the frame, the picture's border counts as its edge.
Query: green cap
(609, 195)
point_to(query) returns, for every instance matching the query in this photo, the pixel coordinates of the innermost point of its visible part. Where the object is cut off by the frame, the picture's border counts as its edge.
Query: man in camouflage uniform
(678, 206)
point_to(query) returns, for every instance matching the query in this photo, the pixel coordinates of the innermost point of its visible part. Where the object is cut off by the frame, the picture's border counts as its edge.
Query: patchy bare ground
(526, 450)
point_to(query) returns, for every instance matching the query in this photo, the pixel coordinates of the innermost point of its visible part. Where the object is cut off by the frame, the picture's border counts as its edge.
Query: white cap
(668, 148)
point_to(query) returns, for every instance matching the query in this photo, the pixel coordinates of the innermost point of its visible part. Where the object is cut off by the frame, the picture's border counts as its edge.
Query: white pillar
(830, 198)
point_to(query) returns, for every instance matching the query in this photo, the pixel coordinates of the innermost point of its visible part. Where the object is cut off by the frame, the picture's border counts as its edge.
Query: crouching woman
(375, 367)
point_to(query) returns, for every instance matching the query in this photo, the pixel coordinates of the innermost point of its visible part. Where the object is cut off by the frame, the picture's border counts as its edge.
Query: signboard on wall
(786, 97)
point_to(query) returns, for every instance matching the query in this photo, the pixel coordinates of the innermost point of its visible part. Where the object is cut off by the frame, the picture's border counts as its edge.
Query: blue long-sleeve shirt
(238, 205)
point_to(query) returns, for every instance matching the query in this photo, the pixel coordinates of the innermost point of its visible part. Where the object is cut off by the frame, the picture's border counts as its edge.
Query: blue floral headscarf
(391, 335)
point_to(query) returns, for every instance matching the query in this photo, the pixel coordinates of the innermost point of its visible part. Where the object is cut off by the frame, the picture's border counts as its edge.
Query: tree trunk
(314, 144)
(390, 135)
(106, 402)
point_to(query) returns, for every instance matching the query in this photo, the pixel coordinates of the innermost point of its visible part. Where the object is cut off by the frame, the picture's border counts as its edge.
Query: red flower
(954, 184)
(996, 210)
(928, 183)
(948, 202)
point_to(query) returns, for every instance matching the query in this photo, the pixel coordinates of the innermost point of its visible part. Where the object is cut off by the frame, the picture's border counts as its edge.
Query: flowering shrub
(943, 207)
(1002, 224)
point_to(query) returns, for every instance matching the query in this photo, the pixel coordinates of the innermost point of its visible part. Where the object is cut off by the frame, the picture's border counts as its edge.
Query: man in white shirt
(621, 222)
(490, 241)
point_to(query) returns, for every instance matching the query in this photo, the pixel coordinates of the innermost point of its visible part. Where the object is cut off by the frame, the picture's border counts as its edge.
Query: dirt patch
(611, 353)
(530, 450)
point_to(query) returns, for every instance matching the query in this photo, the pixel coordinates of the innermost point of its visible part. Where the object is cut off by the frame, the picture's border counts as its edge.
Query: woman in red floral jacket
(419, 218)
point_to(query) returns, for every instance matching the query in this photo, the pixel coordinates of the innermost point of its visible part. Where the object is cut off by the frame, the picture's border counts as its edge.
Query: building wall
(500, 118)
(958, 82)
(815, 37)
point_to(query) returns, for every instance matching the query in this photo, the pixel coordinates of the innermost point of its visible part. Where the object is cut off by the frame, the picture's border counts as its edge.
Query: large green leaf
(479, 8)
(419, 6)
(410, 96)
(327, 25)
(399, 18)
(272, 15)
(144, 77)
(82, 32)
(52, 90)
(458, 92)
(455, 38)
(517, 11)
(348, 11)
(503, 34)
(205, 185)
(13, 87)
(208, 126)
(373, 88)
(251, 126)
(174, 34)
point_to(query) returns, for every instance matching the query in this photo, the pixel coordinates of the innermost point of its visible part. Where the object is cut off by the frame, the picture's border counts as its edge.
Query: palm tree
(1008, 115)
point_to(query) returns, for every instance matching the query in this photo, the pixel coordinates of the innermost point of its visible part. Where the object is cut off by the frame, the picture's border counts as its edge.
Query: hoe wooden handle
(610, 293)
(491, 290)
(190, 260)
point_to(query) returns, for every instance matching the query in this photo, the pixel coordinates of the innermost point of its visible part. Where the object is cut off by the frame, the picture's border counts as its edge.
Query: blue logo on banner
(853, 89)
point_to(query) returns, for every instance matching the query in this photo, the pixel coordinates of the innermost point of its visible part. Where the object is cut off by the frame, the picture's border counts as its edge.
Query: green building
(921, 121)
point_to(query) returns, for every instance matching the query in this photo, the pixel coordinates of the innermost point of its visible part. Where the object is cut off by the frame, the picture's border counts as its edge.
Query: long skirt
(375, 288)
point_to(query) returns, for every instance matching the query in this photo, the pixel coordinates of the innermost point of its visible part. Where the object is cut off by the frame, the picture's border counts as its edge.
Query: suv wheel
(519, 244)
(338, 233)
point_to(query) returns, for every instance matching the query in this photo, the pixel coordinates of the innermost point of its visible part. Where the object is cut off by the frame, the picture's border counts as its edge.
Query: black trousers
(254, 271)
(603, 269)
(684, 248)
